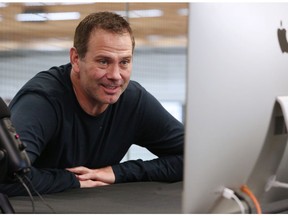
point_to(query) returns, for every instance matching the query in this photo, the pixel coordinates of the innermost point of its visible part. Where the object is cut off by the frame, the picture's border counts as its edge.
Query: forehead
(101, 39)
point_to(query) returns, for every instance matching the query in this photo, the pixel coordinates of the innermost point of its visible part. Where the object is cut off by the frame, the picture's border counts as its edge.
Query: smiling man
(78, 120)
(101, 75)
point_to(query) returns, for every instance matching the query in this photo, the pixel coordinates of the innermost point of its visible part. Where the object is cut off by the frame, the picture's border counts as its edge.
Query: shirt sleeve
(164, 169)
(35, 128)
(43, 181)
(161, 134)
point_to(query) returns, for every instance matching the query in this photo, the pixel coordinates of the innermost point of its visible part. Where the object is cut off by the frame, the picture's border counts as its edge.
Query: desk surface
(137, 197)
(126, 198)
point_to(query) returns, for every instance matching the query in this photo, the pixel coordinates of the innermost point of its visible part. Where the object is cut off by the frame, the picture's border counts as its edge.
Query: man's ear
(74, 59)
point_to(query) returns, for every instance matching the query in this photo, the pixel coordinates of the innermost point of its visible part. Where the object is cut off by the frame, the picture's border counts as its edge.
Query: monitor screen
(235, 131)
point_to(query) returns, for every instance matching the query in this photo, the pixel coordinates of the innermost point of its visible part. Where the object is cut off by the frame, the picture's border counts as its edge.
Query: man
(78, 120)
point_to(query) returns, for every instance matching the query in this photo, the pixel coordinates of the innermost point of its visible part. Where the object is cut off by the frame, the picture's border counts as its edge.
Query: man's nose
(114, 72)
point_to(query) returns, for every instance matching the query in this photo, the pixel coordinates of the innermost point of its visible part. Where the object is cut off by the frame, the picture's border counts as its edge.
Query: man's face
(105, 70)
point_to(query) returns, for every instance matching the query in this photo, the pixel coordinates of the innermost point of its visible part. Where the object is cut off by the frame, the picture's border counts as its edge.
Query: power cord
(38, 194)
(230, 194)
(242, 198)
(30, 194)
(245, 189)
(28, 191)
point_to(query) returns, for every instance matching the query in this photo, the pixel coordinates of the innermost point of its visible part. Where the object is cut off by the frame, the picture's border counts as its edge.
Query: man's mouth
(110, 86)
(111, 89)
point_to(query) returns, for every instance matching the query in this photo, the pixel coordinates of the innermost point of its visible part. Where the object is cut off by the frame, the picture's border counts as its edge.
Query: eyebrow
(108, 57)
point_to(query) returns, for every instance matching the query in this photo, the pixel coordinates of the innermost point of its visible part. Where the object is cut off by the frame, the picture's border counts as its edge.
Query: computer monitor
(235, 131)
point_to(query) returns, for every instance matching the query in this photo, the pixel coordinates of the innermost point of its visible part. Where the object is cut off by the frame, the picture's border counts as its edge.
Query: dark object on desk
(136, 197)
(13, 158)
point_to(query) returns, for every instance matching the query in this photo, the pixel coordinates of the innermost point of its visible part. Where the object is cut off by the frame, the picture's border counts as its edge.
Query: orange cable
(246, 190)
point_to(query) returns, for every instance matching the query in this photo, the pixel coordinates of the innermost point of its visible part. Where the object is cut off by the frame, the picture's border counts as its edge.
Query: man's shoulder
(136, 93)
(55, 73)
(54, 80)
(52, 84)
(135, 87)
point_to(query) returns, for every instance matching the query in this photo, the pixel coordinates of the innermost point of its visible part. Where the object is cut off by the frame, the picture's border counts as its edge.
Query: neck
(88, 104)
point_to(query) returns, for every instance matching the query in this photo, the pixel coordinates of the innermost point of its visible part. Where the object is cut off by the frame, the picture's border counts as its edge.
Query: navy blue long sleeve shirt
(59, 134)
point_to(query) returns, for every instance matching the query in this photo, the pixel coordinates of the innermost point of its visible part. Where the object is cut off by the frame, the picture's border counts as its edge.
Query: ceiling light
(183, 12)
(38, 17)
(76, 3)
(32, 4)
(3, 4)
(141, 13)
(29, 4)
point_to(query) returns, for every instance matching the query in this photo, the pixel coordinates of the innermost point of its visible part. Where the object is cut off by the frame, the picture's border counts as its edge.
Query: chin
(112, 100)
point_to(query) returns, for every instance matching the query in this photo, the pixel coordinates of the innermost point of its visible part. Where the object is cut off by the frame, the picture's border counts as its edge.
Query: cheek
(90, 71)
(97, 74)
(127, 74)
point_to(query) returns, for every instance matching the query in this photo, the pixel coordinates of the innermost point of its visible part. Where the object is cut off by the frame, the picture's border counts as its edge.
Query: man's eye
(103, 62)
(125, 62)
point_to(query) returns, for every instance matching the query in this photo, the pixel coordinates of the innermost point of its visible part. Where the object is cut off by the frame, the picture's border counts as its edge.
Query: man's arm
(163, 135)
(164, 169)
(44, 181)
(33, 117)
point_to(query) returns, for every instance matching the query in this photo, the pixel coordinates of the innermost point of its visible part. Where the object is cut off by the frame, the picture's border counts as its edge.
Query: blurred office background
(36, 36)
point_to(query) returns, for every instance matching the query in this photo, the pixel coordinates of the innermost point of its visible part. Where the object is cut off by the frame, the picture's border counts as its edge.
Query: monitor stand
(263, 175)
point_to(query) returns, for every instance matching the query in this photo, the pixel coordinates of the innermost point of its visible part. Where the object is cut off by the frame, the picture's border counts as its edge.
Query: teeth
(111, 87)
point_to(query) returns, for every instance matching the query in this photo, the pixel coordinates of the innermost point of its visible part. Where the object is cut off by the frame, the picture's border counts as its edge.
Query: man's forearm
(44, 181)
(166, 169)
